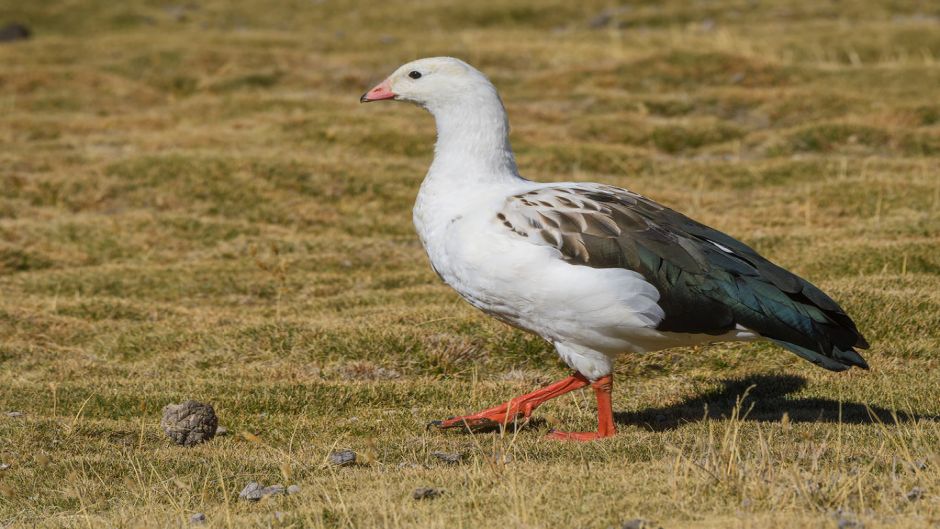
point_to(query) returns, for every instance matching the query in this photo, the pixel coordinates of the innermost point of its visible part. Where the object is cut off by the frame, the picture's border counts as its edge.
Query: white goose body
(594, 269)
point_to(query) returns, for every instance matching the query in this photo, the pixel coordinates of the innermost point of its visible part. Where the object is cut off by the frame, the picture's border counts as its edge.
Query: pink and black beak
(380, 92)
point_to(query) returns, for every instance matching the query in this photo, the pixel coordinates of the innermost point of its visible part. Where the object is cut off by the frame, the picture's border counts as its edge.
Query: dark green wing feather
(709, 282)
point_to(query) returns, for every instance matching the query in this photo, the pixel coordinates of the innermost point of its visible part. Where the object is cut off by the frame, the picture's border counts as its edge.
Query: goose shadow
(768, 396)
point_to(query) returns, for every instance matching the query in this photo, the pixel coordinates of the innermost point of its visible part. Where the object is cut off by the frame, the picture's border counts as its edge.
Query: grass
(193, 204)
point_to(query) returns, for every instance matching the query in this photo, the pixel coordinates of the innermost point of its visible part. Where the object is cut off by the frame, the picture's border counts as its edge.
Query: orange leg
(605, 415)
(519, 408)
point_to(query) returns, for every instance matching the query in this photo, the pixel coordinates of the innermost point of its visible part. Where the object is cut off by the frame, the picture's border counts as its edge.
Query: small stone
(293, 489)
(189, 423)
(13, 32)
(915, 494)
(426, 493)
(198, 518)
(846, 523)
(221, 430)
(252, 491)
(273, 490)
(448, 457)
(342, 458)
(14, 414)
(601, 19)
(638, 523)
(4, 466)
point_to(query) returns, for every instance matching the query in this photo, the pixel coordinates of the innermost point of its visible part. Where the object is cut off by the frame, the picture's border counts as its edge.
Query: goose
(594, 269)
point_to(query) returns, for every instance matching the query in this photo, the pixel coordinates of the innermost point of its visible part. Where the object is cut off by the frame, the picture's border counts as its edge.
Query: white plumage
(594, 269)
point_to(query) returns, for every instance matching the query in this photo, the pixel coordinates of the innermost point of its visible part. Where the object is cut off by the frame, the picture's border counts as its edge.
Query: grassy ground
(193, 204)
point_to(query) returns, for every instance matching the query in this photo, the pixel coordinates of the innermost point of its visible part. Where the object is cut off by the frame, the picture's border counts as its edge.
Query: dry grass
(194, 204)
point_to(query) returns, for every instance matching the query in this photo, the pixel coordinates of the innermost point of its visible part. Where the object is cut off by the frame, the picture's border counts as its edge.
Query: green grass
(193, 204)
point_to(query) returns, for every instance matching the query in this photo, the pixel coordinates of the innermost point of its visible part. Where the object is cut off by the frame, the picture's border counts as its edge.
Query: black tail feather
(840, 360)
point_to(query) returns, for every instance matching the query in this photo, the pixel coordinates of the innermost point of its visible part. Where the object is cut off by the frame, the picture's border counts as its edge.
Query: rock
(914, 494)
(14, 32)
(638, 523)
(4, 466)
(448, 457)
(221, 430)
(252, 491)
(198, 518)
(14, 414)
(189, 423)
(426, 493)
(601, 19)
(273, 489)
(293, 489)
(846, 523)
(342, 458)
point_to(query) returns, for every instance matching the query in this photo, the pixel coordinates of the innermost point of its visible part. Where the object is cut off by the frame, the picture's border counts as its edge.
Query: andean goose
(594, 269)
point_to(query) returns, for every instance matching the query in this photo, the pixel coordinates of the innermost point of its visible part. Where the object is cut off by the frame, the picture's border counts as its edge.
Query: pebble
(448, 457)
(251, 492)
(845, 523)
(915, 494)
(426, 493)
(221, 430)
(189, 423)
(14, 414)
(12, 32)
(198, 518)
(638, 523)
(4, 466)
(254, 491)
(273, 489)
(342, 458)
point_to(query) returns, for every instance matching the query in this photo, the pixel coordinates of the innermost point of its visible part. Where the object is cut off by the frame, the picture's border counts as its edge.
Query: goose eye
(414, 75)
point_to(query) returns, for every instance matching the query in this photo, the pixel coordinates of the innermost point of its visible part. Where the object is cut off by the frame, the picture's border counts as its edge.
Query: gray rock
(915, 494)
(638, 523)
(601, 19)
(13, 32)
(253, 491)
(448, 457)
(293, 489)
(189, 423)
(221, 430)
(426, 493)
(4, 466)
(198, 518)
(273, 489)
(342, 458)
(14, 414)
(848, 523)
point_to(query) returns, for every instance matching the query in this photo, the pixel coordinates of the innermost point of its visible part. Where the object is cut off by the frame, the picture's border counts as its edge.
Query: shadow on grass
(769, 398)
